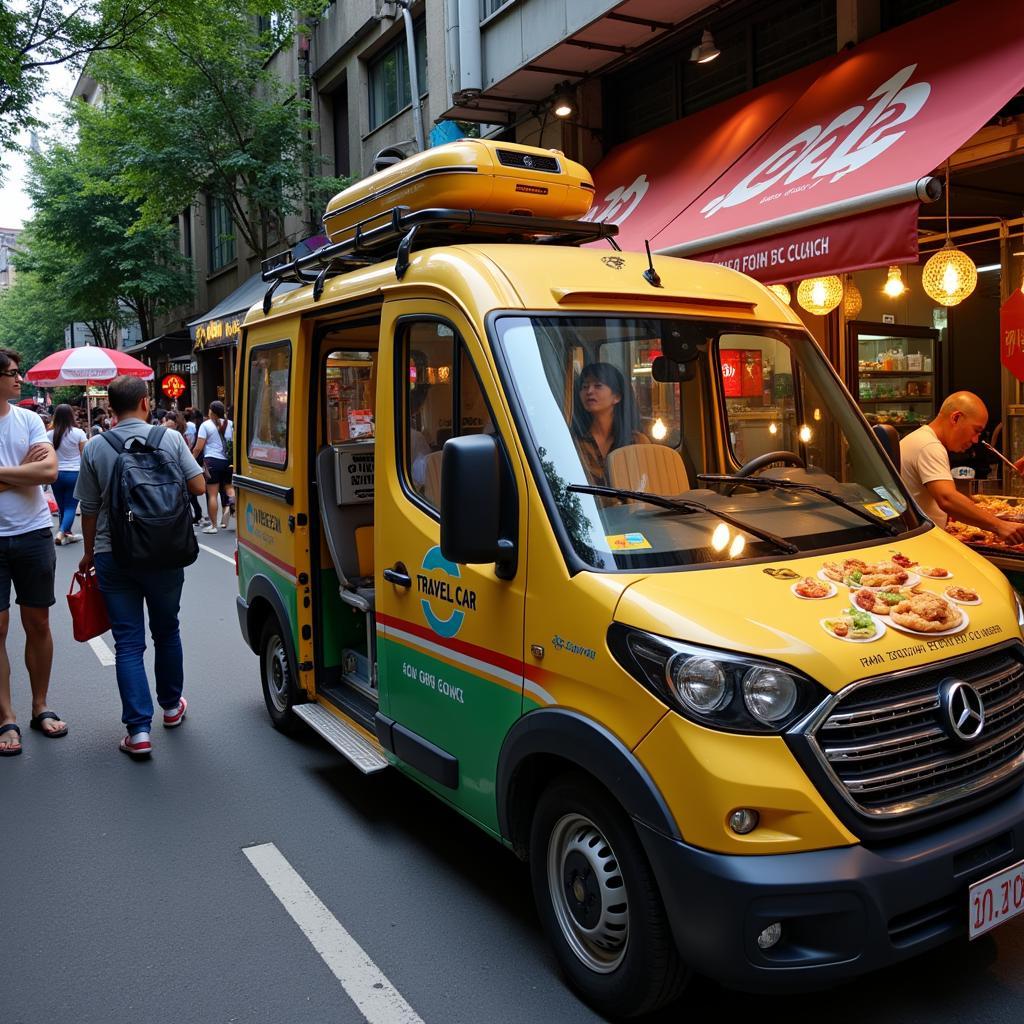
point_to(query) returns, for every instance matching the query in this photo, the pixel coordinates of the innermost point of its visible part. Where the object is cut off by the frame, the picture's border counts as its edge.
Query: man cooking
(924, 466)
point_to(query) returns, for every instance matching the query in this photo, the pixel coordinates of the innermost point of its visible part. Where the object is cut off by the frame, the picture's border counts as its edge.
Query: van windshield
(619, 410)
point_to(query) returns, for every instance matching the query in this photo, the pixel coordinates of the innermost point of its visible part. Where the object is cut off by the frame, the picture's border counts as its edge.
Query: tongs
(999, 455)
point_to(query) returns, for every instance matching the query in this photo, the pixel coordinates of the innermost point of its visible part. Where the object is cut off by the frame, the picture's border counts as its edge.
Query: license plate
(996, 899)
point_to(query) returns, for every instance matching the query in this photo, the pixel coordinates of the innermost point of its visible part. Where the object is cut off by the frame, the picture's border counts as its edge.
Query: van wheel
(279, 688)
(599, 903)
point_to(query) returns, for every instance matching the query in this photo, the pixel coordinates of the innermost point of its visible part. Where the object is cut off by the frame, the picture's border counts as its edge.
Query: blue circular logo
(448, 627)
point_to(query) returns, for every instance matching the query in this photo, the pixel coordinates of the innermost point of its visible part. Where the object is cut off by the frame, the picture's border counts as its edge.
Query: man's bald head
(961, 419)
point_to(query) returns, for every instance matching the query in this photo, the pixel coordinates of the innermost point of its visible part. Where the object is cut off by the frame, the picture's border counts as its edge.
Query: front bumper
(844, 912)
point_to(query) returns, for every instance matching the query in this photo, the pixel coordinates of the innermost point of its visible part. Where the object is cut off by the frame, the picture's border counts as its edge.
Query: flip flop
(6, 751)
(37, 723)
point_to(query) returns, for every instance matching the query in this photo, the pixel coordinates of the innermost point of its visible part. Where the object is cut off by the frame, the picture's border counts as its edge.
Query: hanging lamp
(950, 275)
(783, 293)
(820, 295)
(894, 286)
(853, 301)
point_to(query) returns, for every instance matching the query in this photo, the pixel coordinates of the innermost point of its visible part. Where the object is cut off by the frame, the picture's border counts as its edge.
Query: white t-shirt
(924, 459)
(190, 432)
(214, 447)
(22, 509)
(69, 455)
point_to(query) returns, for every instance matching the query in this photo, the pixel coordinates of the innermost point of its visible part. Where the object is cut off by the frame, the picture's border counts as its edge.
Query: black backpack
(150, 516)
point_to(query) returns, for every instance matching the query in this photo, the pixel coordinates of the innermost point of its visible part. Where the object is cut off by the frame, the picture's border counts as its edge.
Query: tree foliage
(84, 241)
(37, 34)
(31, 322)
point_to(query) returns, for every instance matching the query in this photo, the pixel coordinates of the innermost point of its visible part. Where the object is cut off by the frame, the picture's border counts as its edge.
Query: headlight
(698, 682)
(717, 689)
(1020, 610)
(769, 693)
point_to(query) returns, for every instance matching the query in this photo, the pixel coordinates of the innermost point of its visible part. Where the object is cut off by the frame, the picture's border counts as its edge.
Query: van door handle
(398, 575)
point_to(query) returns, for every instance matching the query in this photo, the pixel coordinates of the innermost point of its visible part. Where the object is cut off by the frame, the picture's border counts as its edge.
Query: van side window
(437, 374)
(267, 429)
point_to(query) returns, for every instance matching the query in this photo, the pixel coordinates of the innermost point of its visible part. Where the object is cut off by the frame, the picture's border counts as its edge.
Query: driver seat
(654, 468)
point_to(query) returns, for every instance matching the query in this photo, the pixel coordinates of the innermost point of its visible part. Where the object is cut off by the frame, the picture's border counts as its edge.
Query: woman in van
(212, 443)
(68, 441)
(604, 418)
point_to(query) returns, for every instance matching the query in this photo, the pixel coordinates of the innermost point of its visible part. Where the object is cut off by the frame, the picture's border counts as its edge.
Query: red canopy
(854, 133)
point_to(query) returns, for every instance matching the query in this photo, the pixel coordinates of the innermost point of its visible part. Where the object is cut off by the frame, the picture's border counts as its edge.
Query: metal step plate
(346, 740)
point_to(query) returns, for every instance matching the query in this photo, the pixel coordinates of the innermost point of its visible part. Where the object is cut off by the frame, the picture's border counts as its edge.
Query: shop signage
(1011, 333)
(215, 333)
(742, 373)
(173, 386)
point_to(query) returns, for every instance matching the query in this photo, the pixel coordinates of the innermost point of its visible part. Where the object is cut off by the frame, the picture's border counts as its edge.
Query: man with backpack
(137, 527)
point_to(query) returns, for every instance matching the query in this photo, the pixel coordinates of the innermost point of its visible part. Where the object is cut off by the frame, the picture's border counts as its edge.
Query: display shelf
(898, 399)
(896, 373)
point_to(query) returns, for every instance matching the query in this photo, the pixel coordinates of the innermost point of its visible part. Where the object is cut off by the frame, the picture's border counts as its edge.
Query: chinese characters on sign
(215, 333)
(173, 386)
(1011, 333)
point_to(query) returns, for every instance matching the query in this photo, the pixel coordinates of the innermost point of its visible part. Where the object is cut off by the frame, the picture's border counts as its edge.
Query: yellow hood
(752, 609)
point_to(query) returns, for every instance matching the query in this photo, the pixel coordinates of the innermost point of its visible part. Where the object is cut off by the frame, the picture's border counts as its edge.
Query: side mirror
(471, 504)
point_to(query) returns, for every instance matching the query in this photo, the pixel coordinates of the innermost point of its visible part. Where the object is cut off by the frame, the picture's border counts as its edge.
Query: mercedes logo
(963, 708)
(527, 161)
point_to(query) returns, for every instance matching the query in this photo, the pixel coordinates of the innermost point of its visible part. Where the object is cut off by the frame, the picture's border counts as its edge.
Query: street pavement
(126, 894)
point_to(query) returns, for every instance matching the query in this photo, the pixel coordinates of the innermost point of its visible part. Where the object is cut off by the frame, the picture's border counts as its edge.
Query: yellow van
(598, 549)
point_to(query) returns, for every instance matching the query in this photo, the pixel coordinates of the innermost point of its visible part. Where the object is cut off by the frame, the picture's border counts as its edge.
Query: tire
(612, 938)
(277, 675)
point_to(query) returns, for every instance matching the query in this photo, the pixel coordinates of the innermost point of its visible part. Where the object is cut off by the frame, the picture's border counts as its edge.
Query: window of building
(185, 231)
(438, 376)
(389, 77)
(267, 440)
(222, 233)
(339, 121)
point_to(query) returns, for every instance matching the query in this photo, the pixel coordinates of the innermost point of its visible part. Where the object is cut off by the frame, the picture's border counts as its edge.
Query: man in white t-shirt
(924, 466)
(27, 556)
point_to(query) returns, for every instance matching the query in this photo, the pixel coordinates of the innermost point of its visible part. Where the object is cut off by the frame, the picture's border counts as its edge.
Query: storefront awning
(823, 170)
(222, 325)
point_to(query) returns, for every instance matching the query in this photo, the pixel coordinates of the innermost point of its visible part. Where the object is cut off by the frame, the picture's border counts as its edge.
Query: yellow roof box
(471, 174)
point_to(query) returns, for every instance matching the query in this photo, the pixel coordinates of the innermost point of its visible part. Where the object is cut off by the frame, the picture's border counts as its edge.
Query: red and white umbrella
(86, 365)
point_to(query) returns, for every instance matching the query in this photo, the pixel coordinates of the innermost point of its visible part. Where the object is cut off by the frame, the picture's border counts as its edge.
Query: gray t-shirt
(98, 458)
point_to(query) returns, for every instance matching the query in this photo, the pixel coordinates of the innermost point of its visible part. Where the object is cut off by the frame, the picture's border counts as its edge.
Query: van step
(343, 737)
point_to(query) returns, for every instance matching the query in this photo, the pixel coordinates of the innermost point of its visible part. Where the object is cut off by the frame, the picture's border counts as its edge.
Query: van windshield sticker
(627, 541)
(882, 509)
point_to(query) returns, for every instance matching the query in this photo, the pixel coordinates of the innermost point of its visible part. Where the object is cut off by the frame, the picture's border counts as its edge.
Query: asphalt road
(125, 894)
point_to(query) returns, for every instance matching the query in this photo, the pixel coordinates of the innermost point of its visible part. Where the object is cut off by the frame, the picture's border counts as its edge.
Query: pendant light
(853, 301)
(950, 275)
(820, 295)
(894, 286)
(782, 292)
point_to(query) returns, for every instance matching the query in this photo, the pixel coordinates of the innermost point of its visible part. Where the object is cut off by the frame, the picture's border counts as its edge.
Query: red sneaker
(138, 746)
(174, 718)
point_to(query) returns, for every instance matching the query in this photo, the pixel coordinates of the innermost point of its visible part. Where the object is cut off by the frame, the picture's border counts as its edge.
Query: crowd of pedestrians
(73, 452)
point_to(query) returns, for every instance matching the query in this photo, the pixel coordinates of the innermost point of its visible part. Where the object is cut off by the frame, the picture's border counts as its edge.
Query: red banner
(1011, 334)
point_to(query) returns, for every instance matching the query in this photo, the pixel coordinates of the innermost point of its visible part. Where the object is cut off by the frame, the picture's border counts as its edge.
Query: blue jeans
(64, 494)
(124, 592)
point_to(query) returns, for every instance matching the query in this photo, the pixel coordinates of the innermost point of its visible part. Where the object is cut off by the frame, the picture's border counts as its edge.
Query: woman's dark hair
(176, 421)
(625, 420)
(63, 421)
(219, 416)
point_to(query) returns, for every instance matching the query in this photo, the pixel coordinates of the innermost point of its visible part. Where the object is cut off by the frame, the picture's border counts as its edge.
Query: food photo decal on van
(451, 597)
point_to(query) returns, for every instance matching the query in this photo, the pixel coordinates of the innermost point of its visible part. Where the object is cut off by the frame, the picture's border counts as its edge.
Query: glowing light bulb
(720, 538)
(805, 433)
(894, 286)
(737, 546)
(659, 430)
(951, 279)
(772, 428)
(818, 293)
(817, 414)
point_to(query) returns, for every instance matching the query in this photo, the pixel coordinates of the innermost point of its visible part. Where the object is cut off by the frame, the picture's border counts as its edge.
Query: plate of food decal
(880, 602)
(962, 595)
(811, 589)
(902, 560)
(854, 625)
(934, 572)
(927, 614)
(856, 574)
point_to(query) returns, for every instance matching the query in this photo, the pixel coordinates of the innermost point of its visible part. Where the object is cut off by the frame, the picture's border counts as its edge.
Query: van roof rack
(390, 235)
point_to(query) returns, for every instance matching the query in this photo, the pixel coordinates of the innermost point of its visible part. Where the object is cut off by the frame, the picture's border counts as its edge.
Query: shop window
(349, 400)
(389, 77)
(267, 434)
(222, 233)
(438, 377)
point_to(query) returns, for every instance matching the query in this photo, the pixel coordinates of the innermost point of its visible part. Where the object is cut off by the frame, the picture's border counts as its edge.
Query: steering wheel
(761, 461)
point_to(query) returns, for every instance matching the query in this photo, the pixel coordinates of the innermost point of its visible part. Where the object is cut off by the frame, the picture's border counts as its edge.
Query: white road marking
(102, 651)
(219, 554)
(377, 999)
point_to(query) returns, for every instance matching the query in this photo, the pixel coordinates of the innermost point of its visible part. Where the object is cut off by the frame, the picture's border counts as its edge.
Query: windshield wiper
(686, 506)
(795, 485)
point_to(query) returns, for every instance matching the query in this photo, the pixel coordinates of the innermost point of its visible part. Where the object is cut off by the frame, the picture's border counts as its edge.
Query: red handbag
(88, 609)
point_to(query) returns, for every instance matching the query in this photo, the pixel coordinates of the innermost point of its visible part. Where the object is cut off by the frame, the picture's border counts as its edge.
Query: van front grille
(891, 747)
(529, 161)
